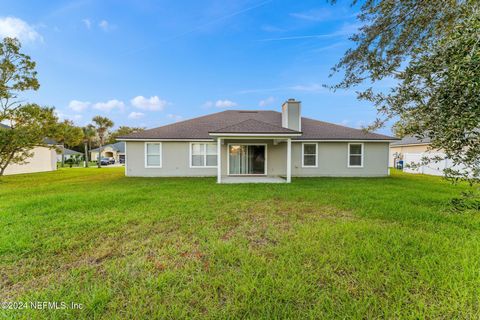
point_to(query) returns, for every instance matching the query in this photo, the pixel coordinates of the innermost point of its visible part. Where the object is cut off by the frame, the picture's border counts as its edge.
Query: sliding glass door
(246, 159)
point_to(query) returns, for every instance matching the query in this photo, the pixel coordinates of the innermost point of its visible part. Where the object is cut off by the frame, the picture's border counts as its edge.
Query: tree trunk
(63, 155)
(99, 162)
(5, 165)
(86, 154)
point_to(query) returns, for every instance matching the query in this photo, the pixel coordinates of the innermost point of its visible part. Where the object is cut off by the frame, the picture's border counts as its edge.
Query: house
(114, 150)
(256, 146)
(43, 159)
(68, 154)
(408, 144)
(414, 151)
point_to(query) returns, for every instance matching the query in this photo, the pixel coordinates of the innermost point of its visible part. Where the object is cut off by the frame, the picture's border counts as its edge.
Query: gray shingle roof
(117, 146)
(411, 140)
(70, 152)
(254, 126)
(199, 128)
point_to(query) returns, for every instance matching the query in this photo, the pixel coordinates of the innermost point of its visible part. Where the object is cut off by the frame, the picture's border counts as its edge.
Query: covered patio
(254, 152)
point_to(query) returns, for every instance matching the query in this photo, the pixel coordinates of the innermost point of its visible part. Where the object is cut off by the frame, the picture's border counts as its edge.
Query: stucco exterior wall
(332, 160)
(44, 159)
(175, 161)
(405, 149)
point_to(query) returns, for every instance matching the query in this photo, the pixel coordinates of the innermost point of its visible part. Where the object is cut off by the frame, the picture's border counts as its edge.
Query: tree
(123, 131)
(432, 52)
(102, 124)
(28, 124)
(88, 135)
(67, 134)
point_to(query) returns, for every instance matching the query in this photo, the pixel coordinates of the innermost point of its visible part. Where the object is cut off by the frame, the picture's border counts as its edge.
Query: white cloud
(315, 87)
(208, 104)
(313, 15)
(175, 117)
(104, 25)
(64, 116)
(136, 115)
(266, 102)
(17, 28)
(224, 103)
(78, 106)
(87, 23)
(152, 104)
(109, 105)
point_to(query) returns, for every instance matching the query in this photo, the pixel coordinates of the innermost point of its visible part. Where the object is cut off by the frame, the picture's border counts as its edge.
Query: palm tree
(88, 135)
(102, 124)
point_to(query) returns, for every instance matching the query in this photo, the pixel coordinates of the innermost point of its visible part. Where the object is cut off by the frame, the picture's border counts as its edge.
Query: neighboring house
(256, 146)
(43, 159)
(413, 152)
(68, 154)
(115, 150)
(408, 144)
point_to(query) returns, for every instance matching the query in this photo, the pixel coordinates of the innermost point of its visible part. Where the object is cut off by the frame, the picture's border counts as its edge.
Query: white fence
(432, 168)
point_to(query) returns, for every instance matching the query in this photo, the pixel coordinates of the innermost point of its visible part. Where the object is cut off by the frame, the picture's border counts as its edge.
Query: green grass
(189, 248)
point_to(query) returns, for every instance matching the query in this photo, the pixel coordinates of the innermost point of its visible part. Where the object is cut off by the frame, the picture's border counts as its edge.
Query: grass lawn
(189, 248)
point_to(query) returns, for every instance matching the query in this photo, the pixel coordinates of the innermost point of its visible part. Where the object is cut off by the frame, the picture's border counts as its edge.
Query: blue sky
(149, 63)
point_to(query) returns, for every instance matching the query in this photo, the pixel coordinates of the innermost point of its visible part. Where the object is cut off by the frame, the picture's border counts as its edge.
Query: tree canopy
(431, 51)
(27, 125)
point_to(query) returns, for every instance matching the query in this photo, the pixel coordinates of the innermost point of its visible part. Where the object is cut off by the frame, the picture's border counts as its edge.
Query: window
(153, 155)
(355, 155)
(309, 155)
(203, 155)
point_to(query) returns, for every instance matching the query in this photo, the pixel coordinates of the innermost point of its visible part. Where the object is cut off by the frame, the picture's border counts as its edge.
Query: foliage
(89, 134)
(30, 124)
(188, 248)
(67, 134)
(432, 53)
(102, 124)
(123, 131)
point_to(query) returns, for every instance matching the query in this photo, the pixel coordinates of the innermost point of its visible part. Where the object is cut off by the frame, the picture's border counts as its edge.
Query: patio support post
(219, 160)
(289, 160)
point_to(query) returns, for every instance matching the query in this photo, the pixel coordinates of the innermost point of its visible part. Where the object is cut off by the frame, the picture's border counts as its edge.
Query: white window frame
(361, 155)
(160, 154)
(303, 155)
(204, 154)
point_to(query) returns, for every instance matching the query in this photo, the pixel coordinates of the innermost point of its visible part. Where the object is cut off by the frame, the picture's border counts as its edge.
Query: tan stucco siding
(333, 160)
(44, 159)
(405, 149)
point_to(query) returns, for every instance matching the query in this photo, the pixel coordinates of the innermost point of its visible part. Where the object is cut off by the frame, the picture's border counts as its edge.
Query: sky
(148, 63)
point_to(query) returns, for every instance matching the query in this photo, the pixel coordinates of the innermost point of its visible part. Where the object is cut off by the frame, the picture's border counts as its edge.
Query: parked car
(107, 161)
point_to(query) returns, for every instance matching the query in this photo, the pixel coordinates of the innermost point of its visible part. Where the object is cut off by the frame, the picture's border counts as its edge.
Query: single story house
(114, 150)
(414, 151)
(408, 144)
(43, 159)
(256, 146)
(68, 154)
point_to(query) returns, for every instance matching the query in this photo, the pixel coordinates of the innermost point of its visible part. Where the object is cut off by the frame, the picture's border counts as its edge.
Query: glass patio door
(246, 159)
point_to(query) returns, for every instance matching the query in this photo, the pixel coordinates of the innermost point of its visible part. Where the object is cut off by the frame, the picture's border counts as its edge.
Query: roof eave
(255, 134)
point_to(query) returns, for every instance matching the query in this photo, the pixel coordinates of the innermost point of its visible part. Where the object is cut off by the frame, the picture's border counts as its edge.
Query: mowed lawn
(189, 248)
